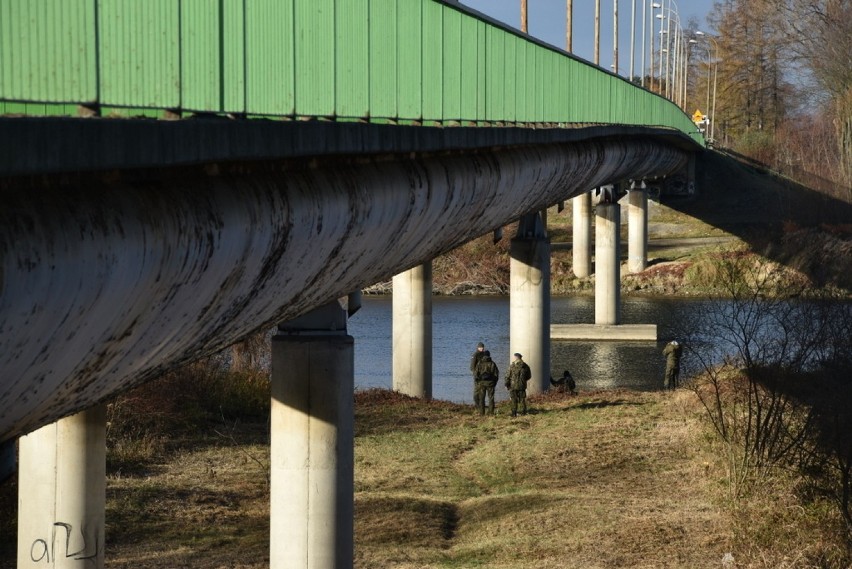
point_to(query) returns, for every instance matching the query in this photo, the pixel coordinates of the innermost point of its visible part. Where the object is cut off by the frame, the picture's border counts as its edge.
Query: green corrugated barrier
(409, 61)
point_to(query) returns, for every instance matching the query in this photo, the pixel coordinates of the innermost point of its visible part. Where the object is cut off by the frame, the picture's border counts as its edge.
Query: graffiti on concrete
(88, 547)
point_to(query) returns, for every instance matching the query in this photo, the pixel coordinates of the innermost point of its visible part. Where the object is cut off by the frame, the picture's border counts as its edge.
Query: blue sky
(547, 23)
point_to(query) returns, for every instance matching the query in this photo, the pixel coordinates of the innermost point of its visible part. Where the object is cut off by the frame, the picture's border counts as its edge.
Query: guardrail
(410, 62)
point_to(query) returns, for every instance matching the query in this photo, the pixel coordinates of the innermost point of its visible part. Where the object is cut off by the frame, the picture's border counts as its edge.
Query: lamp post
(615, 36)
(644, 19)
(660, 16)
(597, 32)
(654, 6)
(671, 49)
(686, 73)
(632, 40)
(569, 26)
(715, 76)
(668, 48)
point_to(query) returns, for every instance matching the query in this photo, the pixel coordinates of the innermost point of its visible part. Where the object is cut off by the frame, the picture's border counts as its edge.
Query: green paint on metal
(510, 79)
(481, 69)
(200, 55)
(410, 59)
(232, 59)
(383, 58)
(469, 76)
(407, 62)
(139, 53)
(433, 61)
(495, 79)
(269, 56)
(352, 63)
(314, 48)
(452, 58)
(47, 50)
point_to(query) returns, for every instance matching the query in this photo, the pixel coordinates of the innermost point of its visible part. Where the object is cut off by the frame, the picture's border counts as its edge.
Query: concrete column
(412, 332)
(582, 235)
(637, 226)
(311, 455)
(529, 301)
(62, 493)
(607, 264)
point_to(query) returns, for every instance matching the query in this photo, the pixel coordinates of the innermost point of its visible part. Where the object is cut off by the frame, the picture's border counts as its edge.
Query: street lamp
(660, 73)
(686, 73)
(632, 40)
(615, 35)
(569, 26)
(654, 6)
(672, 50)
(715, 76)
(597, 32)
(644, 19)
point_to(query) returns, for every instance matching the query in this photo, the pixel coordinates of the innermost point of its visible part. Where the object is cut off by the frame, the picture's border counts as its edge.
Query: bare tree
(748, 349)
(819, 33)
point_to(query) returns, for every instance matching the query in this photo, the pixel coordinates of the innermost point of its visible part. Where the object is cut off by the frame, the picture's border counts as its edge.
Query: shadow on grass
(380, 411)
(414, 522)
(771, 213)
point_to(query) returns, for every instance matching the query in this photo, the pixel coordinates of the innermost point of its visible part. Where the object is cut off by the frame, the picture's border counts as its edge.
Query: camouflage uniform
(516, 382)
(486, 377)
(672, 352)
(474, 360)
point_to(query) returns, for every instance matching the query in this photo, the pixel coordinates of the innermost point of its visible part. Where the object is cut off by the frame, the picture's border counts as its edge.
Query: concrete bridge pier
(412, 332)
(312, 455)
(529, 300)
(581, 249)
(607, 263)
(637, 227)
(62, 493)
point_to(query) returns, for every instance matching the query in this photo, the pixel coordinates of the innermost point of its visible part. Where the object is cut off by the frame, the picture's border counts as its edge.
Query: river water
(458, 323)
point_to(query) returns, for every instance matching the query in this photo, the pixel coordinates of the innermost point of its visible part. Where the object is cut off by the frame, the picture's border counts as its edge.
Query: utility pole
(597, 32)
(615, 36)
(569, 26)
(632, 40)
(644, 20)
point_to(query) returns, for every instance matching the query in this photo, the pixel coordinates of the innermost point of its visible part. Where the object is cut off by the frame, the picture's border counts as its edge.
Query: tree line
(783, 84)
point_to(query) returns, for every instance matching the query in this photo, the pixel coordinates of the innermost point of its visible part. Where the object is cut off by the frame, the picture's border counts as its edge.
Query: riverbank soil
(737, 206)
(611, 479)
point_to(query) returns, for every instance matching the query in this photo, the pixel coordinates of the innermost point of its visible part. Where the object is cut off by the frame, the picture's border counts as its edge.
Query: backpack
(484, 370)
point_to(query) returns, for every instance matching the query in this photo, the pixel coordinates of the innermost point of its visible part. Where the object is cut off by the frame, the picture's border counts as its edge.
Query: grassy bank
(599, 480)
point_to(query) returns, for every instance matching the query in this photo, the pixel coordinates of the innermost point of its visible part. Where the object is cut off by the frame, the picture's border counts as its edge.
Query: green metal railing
(420, 61)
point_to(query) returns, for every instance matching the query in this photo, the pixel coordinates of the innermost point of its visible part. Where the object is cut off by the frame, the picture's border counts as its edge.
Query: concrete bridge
(176, 176)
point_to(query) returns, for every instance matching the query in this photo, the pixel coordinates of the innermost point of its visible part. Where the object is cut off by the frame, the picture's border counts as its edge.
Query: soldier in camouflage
(672, 351)
(516, 382)
(486, 377)
(474, 359)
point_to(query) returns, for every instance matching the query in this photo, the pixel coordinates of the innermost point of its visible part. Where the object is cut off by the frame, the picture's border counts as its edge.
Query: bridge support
(529, 300)
(607, 263)
(311, 455)
(582, 235)
(62, 493)
(412, 332)
(637, 224)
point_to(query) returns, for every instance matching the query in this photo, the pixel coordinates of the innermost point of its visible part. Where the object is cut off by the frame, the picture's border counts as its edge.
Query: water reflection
(460, 322)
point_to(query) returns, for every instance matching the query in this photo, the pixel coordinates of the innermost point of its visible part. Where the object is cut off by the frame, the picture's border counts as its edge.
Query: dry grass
(600, 480)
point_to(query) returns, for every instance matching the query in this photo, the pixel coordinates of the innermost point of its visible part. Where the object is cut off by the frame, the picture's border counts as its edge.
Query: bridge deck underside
(109, 279)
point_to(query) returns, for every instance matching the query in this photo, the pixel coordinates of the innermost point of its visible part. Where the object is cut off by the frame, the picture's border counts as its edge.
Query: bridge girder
(108, 280)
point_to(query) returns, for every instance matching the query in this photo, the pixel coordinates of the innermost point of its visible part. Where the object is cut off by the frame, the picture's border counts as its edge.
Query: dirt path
(657, 245)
